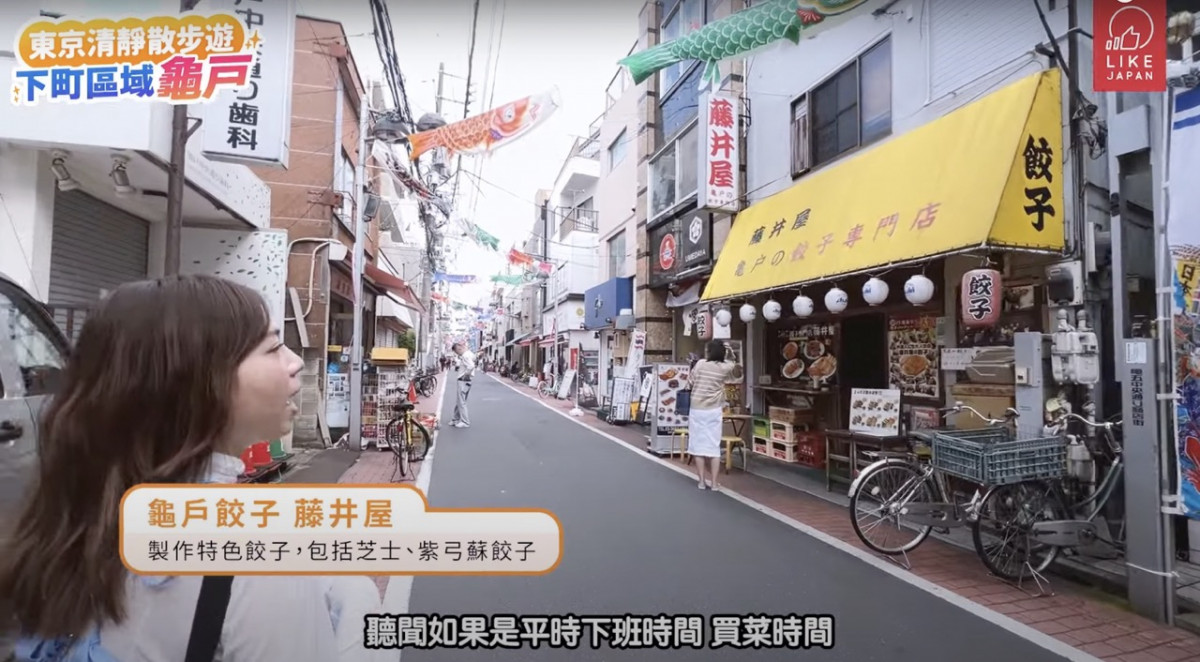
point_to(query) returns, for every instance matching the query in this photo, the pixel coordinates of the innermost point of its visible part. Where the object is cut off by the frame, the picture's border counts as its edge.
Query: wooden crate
(789, 415)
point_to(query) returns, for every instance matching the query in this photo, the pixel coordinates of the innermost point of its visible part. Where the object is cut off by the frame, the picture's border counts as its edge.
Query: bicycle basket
(990, 456)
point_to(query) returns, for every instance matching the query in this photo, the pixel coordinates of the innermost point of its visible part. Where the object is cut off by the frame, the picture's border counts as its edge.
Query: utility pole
(175, 176)
(360, 240)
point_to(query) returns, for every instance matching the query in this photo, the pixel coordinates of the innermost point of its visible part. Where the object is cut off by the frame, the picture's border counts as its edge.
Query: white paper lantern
(724, 317)
(836, 300)
(875, 291)
(802, 306)
(747, 313)
(772, 310)
(918, 290)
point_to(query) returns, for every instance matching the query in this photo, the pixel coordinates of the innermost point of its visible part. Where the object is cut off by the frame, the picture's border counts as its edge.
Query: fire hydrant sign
(720, 171)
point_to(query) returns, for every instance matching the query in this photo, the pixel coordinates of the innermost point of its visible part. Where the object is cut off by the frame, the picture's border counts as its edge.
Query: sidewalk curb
(1040, 639)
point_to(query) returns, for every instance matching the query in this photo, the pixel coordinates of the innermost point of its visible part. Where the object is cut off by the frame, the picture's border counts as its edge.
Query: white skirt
(704, 432)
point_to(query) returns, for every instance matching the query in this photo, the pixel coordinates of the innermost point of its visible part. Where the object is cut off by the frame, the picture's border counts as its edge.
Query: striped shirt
(708, 383)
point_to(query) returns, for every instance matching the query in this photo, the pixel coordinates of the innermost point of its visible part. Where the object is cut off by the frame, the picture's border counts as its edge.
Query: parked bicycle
(425, 382)
(408, 440)
(1023, 526)
(547, 386)
(911, 496)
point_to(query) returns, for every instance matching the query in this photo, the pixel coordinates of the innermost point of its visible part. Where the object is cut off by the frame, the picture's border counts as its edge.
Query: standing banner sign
(1183, 236)
(253, 125)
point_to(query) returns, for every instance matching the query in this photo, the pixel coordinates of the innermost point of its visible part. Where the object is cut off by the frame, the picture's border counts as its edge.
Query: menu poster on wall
(337, 400)
(913, 355)
(808, 355)
(670, 378)
(875, 411)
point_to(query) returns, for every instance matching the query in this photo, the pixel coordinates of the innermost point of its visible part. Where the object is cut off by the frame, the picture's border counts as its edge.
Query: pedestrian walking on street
(707, 382)
(169, 381)
(464, 364)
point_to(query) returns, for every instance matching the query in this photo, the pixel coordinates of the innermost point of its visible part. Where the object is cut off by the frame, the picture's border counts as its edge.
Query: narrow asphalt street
(641, 539)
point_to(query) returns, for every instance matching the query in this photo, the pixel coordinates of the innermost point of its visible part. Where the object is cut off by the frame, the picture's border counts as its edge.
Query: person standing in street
(705, 421)
(464, 364)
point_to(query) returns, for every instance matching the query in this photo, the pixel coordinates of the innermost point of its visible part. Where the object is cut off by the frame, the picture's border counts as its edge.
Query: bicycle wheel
(398, 443)
(1001, 532)
(543, 389)
(424, 387)
(882, 495)
(419, 442)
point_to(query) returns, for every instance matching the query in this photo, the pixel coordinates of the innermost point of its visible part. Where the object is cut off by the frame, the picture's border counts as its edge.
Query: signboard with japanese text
(720, 159)
(696, 239)
(989, 173)
(189, 59)
(252, 125)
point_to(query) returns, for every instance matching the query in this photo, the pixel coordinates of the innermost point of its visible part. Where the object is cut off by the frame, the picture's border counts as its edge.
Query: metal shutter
(970, 39)
(94, 247)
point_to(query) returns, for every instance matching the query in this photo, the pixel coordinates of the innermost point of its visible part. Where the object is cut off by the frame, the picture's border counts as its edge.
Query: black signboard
(665, 257)
(696, 238)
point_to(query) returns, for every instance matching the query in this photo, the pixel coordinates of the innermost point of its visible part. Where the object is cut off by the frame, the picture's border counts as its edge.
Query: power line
(467, 93)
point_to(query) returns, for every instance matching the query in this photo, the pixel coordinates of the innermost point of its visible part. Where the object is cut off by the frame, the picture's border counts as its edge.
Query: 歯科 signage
(252, 125)
(720, 161)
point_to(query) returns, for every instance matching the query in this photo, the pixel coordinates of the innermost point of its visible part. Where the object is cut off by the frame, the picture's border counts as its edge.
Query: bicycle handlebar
(1009, 414)
(1106, 425)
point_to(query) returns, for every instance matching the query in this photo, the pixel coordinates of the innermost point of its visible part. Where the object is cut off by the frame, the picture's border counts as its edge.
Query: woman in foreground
(705, 420)
(169, 382)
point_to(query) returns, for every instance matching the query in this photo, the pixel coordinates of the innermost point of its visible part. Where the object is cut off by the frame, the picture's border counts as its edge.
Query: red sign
(666, 252)
(1130, 45)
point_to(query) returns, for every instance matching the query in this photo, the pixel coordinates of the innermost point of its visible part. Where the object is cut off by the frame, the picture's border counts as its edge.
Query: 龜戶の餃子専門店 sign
(253, 125)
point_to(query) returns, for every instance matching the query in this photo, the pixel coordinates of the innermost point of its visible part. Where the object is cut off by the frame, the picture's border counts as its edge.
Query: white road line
(1016, 627)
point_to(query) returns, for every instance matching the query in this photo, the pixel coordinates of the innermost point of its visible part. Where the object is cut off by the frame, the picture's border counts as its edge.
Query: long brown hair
(146, 398)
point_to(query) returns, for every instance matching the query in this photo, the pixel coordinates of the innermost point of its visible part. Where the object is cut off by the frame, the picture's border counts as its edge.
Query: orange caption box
(327, 530)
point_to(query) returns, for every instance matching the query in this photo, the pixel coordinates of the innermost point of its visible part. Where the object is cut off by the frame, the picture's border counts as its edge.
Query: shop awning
(547, 341)
(986, 175)
(519, 340)
(395, 285)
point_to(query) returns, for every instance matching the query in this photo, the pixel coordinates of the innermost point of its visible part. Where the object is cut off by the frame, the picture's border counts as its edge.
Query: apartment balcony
(577, 219)
(582, 169)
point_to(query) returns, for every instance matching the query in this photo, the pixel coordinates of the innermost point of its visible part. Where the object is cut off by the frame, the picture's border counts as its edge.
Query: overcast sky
(571, 45)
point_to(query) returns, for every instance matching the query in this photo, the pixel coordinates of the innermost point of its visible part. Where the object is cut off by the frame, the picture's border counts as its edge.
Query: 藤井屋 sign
(986, 175)
(178, 59)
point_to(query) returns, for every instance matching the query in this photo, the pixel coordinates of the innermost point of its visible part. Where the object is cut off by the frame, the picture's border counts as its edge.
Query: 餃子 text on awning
(988, 175)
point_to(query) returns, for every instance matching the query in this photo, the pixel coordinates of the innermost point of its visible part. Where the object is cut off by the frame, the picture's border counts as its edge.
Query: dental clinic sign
(252, 125)
(177, 59)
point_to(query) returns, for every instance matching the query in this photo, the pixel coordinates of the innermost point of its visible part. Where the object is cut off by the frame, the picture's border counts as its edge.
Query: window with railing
(581, 218)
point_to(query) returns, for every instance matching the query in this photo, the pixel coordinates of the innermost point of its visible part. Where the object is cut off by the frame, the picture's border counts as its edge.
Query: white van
(33, 353)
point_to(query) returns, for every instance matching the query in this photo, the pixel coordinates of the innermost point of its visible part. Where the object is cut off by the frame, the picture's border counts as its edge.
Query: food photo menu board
(669, 380)
(807, 356)
(914, 355)
(875, 411)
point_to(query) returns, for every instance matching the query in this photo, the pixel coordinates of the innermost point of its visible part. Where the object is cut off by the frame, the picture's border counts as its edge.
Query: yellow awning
(987, 174)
